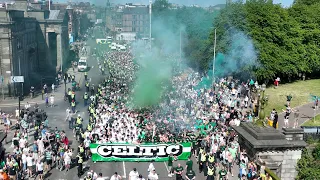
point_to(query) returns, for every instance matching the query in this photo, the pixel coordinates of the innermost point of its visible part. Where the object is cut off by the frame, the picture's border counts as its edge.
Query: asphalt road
(57, 119)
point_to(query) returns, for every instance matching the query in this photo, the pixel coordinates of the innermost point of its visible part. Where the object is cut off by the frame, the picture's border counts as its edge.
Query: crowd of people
(189, 113)
(31, 159)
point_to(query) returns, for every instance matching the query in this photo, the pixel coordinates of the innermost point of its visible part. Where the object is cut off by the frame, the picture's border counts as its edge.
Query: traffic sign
(15, 79)
(1, 80)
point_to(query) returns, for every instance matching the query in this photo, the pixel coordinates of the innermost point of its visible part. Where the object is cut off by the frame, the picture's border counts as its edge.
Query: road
(57, 119)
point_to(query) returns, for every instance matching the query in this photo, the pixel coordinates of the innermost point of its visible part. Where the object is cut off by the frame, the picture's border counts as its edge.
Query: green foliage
(194, 23)
(308, 166)
(316, 152)
(286, 39)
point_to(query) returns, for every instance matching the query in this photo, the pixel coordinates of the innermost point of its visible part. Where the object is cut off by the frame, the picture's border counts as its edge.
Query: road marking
(124, 169)
(107, 177)
(166, 166)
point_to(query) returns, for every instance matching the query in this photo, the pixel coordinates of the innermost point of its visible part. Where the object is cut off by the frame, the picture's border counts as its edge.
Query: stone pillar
(59, 52)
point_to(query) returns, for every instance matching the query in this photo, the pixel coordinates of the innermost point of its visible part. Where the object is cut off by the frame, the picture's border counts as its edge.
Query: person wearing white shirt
(151, 166)
(39, 169)
(52, 100)
(24, 161)
(100, 177)
(29, 164)
(115, 176)
(153, 175)
(133, 175)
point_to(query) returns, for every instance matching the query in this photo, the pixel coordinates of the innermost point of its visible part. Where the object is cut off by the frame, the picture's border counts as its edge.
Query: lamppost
(263, 101)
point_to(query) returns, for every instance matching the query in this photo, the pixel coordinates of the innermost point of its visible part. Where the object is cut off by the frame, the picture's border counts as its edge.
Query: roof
(56, 14)
(136, 10)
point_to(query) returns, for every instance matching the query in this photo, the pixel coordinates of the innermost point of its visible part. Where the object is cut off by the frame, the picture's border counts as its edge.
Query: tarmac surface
(57, 117)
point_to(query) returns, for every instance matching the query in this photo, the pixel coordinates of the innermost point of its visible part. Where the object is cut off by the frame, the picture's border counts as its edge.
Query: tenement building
(130, 21)
(33, 44)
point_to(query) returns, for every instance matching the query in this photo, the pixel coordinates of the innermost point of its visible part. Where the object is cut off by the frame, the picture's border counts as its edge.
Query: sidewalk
(306, 112)
(58, 94)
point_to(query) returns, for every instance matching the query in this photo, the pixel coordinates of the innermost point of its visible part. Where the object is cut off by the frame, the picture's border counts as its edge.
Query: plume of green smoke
(155, 65)
(151, 77)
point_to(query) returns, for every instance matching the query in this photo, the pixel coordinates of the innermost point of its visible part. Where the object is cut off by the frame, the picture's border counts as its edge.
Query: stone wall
(286, 161)
(279, 150)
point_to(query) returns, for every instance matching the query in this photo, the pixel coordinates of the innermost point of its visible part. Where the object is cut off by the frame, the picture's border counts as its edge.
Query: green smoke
(151, 77)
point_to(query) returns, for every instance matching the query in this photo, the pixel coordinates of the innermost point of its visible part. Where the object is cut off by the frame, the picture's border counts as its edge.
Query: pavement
(57, 117)
(307, 112)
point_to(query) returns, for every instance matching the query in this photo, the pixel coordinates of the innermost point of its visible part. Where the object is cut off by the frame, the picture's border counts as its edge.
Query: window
(133, 16)
(19, 44)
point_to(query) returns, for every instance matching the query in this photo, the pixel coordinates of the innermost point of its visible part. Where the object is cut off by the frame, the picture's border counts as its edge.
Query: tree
(160, 5)
(308, 166)
(286, 40)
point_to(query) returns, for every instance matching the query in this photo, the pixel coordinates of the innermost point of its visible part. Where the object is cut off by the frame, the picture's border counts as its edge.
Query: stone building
(33, 44)
(130, 21)
(279, 150)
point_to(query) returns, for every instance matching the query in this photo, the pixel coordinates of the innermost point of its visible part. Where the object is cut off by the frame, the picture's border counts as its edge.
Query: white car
(82, 64)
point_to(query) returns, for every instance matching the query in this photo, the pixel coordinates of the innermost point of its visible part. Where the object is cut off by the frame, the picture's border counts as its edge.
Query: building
(130, 21)
(33, 44)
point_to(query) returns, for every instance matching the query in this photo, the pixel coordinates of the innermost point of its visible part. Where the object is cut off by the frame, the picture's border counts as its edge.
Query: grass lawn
(299, 90)
(313, 122)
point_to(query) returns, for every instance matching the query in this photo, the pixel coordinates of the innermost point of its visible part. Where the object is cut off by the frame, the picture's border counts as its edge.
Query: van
(82, 64)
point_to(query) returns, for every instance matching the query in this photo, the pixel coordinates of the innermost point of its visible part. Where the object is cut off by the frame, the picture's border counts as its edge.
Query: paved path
(306, 112)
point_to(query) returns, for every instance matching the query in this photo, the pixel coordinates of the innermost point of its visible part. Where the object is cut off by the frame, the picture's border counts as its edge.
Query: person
(211, 172)
(3, 175)
(79, 162)
(39, 169)
(153, 175)
(203, 161)
(222, 174)
(32, 92)
(85, 75)
(190, 175)
(29, 160)
(73, 106)
(178, 171)
(52, 100)
(13, 171)
(85, 98)
(170, 167)
(52, 87)
(48, 157)
(151, 166)
(115, 176)
(100, 177)
(140, 177)
(189, 164)
(133, 175)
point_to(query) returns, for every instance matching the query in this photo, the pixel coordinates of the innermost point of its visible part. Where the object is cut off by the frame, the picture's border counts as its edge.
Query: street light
(263, 102)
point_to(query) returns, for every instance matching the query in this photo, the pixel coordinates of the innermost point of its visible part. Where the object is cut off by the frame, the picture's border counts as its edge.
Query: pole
(22, 90)
(180, 49)
(214, 55)
(150, 13)
(49, 5)
(19, 99)
(2, 91)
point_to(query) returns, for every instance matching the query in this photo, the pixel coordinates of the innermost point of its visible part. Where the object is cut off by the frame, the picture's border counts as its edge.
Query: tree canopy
(308, 166)
(286, 39)
(195, 24)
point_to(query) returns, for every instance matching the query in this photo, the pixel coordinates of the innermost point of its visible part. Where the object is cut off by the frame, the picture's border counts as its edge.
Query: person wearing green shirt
(189, 164)
(190, 175)
(233, 151)
(222, 174)
(170, 162)
(178, 171)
